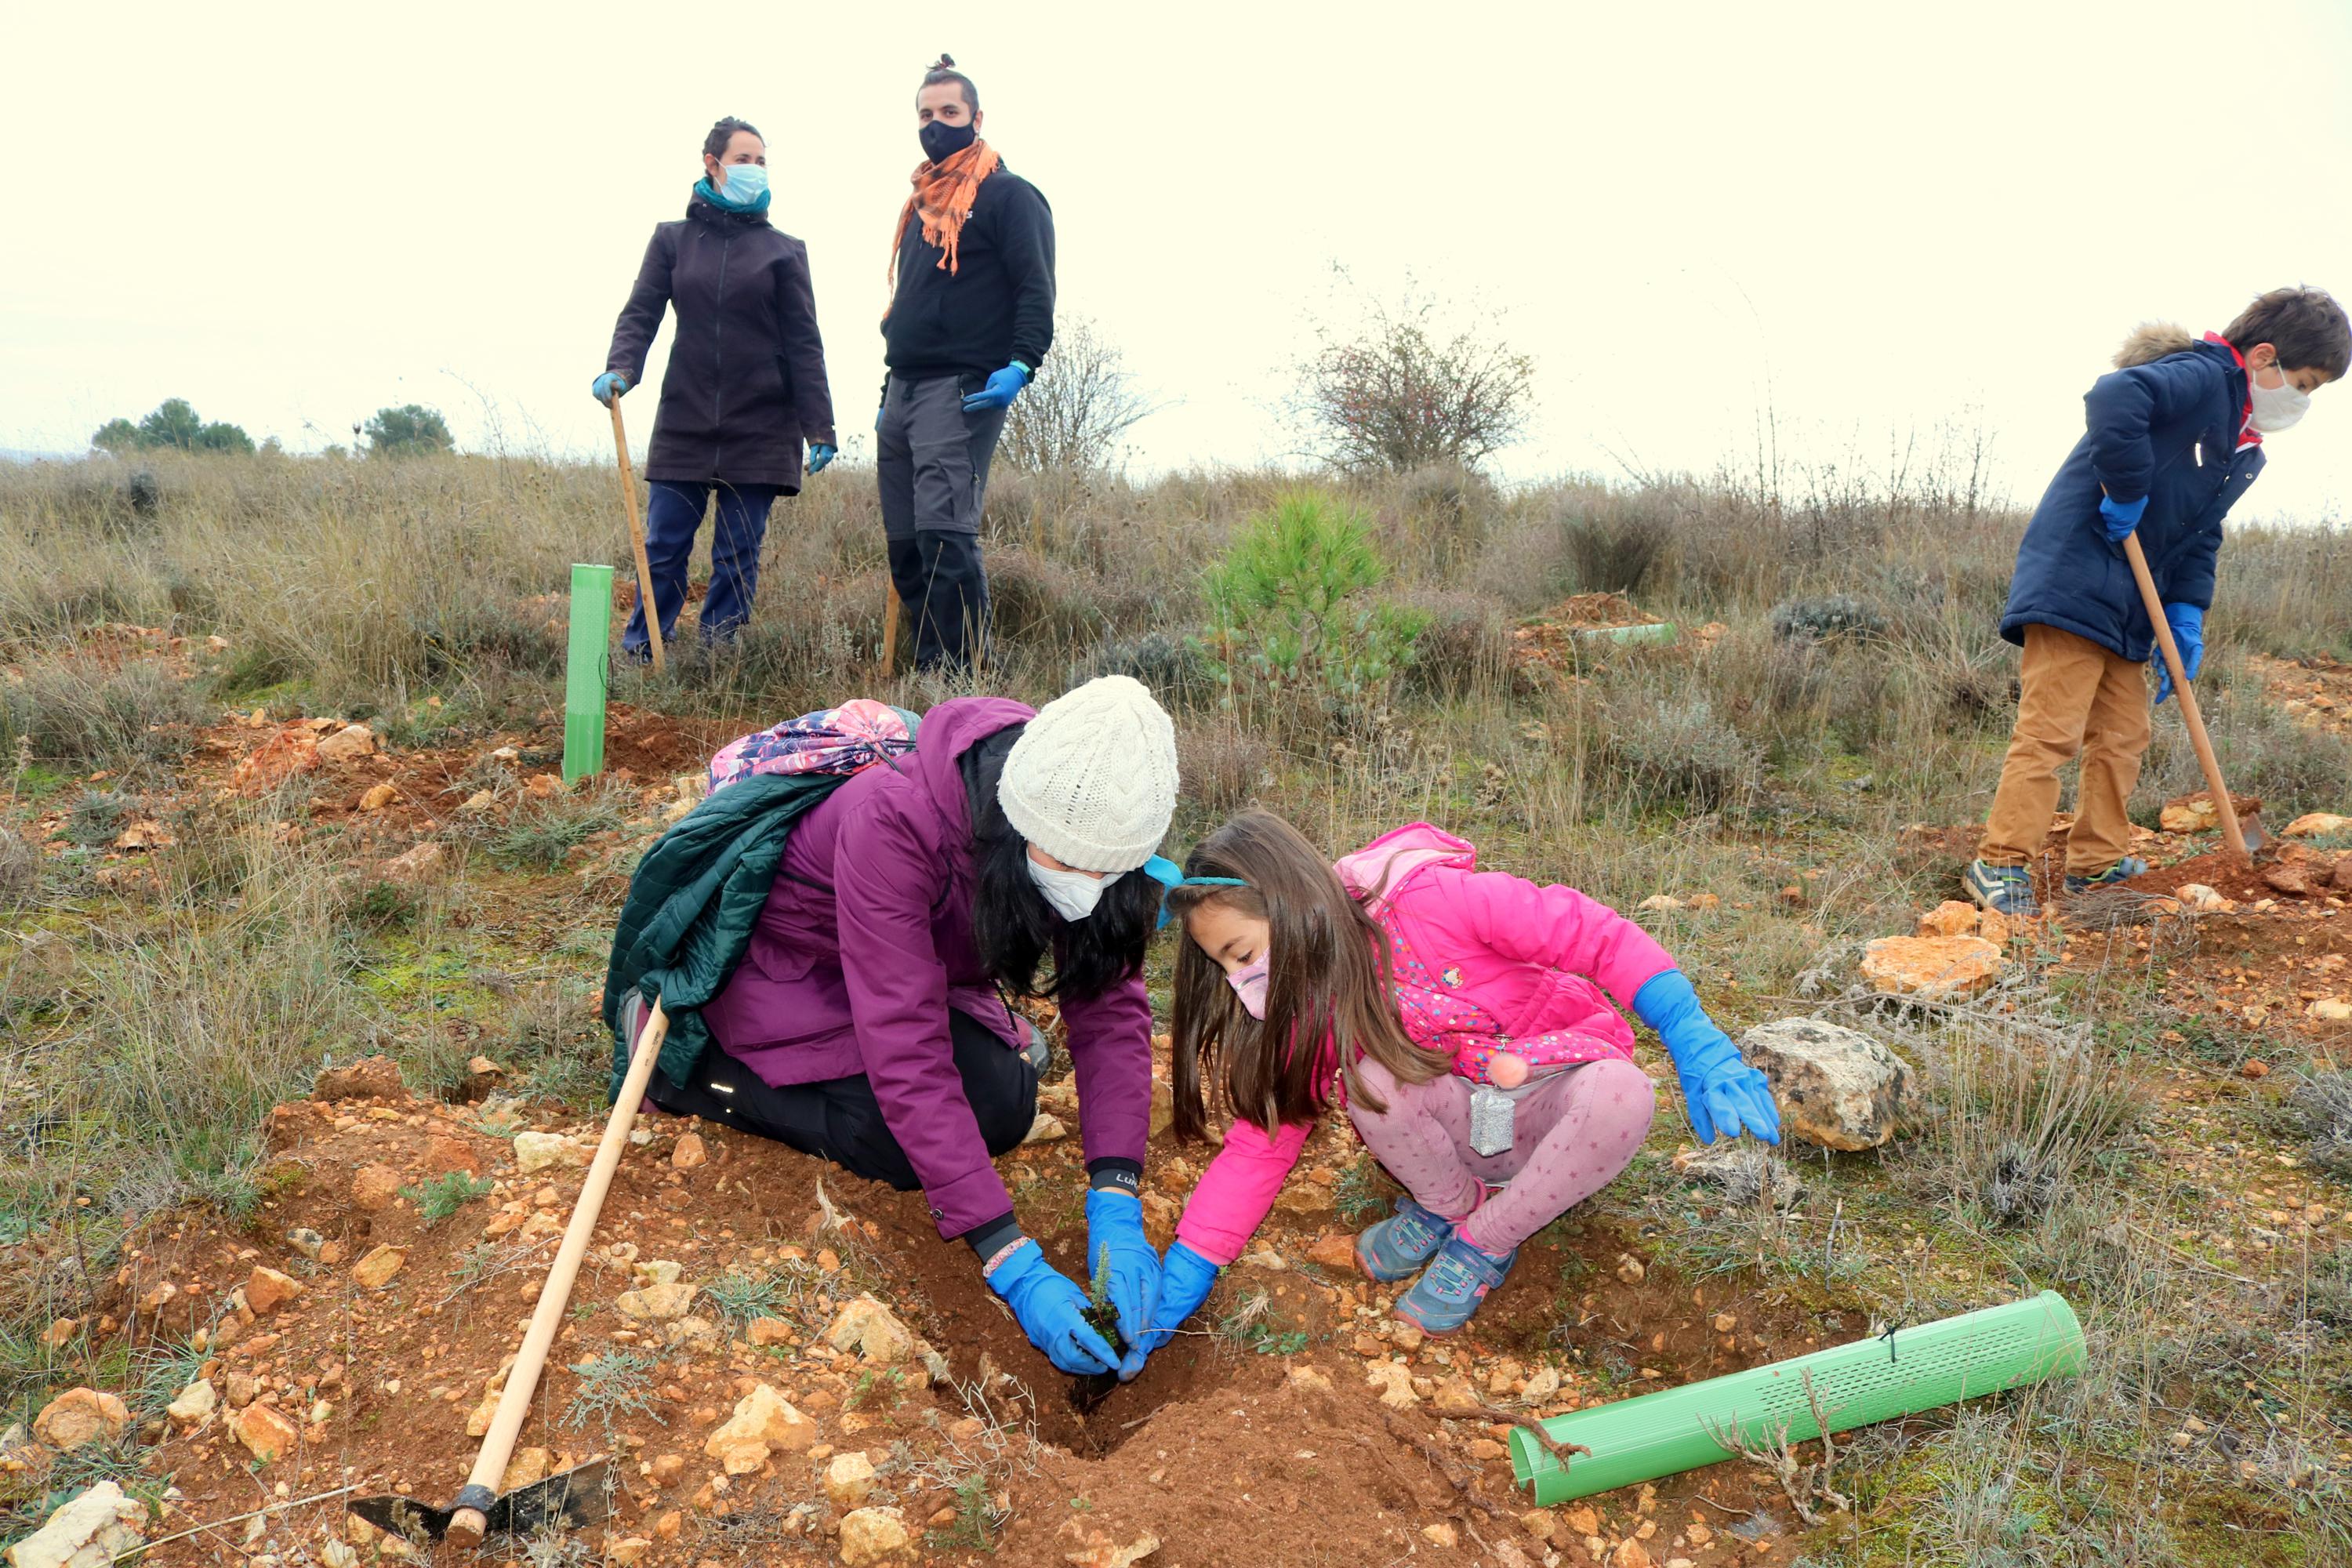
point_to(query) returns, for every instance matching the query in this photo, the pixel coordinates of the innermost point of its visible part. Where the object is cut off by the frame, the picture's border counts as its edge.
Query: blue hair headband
(1170, 876)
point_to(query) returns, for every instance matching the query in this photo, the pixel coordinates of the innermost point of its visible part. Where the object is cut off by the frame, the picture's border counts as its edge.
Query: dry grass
(149, 1027)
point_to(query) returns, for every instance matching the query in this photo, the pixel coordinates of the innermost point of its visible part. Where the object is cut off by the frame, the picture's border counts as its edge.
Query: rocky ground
(783, 1363)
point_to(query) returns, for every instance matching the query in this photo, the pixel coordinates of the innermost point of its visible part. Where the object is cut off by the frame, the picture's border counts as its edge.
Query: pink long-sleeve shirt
(1486, 962)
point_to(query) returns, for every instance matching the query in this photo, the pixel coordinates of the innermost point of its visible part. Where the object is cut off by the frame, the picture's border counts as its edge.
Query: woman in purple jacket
(745, 386)
(864, 1024)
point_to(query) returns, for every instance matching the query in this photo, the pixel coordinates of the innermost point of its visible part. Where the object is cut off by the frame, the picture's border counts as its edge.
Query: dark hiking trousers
(673, 516)
(932, 462)
(839, 1119)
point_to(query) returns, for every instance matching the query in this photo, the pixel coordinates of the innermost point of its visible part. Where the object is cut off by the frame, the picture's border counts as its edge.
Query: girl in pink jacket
(1464, 1019)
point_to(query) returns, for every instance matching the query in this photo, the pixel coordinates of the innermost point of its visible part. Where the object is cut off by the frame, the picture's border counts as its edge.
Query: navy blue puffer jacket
(2165, 424)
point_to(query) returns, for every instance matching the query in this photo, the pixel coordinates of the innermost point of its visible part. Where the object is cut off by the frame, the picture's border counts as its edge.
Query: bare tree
(1404, 390)
(1081, 404)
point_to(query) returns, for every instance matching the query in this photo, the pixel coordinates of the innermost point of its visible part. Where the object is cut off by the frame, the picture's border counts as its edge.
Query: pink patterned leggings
(1571, 1137)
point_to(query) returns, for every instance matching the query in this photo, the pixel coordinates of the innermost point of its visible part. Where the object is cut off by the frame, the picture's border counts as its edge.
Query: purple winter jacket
(866, 942)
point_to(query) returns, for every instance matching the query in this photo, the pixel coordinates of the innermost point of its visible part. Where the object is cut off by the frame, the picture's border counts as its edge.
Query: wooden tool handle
(637, 542)
(890, 633)
(470, 1523)
(2224, 805)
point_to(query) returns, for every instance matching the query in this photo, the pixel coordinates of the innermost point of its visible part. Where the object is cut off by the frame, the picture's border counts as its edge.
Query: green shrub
(1831, 618)
(437, 1199)
(1291, 611)
(411, 430)
(1675, 751)
(98, 817)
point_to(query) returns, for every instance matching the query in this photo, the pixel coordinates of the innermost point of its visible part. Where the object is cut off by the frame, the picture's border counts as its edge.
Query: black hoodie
(995, 308)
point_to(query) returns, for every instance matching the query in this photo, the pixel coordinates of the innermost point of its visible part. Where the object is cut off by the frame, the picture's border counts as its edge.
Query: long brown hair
(1329, 986)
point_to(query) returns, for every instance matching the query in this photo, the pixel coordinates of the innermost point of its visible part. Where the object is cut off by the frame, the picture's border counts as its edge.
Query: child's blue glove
(1723, 1094)
(1115, 1227)
(608, 386)
(1052, 1313)
(2121, 516)
(1002, 389)
(1186, 1280)
(2188, 624)
(820, 454)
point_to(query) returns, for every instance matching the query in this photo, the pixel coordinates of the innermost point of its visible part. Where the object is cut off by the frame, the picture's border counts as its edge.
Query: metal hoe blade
(578, 1497)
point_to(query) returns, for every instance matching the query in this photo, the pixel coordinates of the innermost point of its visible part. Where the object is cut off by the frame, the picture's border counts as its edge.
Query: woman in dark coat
(745, 386)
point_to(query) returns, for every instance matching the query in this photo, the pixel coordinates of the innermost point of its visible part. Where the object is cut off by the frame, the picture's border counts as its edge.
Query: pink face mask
(1249, 984)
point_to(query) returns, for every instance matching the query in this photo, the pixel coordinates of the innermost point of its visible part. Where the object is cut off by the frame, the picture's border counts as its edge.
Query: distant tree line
(175, 425)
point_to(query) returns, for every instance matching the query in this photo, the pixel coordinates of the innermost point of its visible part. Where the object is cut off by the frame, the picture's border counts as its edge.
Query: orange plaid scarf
(944, 193)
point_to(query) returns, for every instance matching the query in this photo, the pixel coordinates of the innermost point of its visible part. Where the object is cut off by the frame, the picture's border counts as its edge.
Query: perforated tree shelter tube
(1663, 1434)
(587, 666)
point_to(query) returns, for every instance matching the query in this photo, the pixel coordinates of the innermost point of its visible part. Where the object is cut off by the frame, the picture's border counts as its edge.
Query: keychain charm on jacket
(1491, 1115)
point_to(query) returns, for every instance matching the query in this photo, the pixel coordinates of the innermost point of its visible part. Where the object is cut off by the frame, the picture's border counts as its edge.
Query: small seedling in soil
(616, 1384)
(977, 1519)
(740, 1298)
(1095, 1387)
(438, 1200)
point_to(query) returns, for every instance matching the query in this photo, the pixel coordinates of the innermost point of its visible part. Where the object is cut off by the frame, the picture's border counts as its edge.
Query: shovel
(578, 1496)
(637, 542)
(2245, 837)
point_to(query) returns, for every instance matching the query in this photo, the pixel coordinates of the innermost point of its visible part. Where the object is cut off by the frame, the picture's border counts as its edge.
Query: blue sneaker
(1396, 1247)
(1442, 1300)
(2123, 871)
(2005, 889)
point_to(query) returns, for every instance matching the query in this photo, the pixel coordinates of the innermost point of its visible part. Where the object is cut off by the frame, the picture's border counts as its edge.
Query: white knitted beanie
(1092, 781)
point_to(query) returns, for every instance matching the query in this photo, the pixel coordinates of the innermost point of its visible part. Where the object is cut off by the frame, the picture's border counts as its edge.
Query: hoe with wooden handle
(579, 1496)
(2245, 837)
(637, 543)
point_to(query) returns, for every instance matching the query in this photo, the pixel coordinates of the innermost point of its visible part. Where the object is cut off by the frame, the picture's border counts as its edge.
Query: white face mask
(1073, 894)
(2275, 407)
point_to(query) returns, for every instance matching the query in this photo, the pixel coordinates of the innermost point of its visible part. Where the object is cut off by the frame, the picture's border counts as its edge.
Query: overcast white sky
(1877, 218)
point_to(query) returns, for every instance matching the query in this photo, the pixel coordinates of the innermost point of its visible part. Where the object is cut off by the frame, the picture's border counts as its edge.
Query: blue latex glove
(2120, 516)
(1115, 1227)
(820, 454)
(1050, 1311)
(1002, 389)
(608, 386)
(1185, 1279)
(1723, 1094)
(2188, 624)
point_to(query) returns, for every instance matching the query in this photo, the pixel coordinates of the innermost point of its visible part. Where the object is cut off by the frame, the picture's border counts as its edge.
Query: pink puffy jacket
(1540, 960)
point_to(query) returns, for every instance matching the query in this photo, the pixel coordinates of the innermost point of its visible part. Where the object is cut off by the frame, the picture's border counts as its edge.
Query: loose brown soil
(1264, 1446)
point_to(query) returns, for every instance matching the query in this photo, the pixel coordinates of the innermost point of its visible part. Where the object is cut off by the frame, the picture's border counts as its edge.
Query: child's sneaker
(2123, 871)
(1397, 1246)
(1443, 1298)
(2005, 889)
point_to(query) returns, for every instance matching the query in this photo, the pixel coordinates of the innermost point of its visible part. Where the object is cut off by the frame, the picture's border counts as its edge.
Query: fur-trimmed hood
(2151, 341)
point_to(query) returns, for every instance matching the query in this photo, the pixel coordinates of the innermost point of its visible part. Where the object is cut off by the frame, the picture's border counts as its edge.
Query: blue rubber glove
(1002, 389)
(2188, 624)
(2120, 516)
(608, 386)
(1050, 1311)
(1115, 1227)
(1186, 1280)
(1723, 1094)
(820, 454)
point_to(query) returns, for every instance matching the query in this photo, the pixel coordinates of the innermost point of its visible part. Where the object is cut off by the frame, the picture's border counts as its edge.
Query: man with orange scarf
(971, 318)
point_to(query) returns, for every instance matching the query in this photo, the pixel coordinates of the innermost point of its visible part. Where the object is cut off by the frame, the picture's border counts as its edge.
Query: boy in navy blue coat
(2174, 437)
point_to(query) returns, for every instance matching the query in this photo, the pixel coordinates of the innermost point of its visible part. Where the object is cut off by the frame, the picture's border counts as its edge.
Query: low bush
(85, 714)
(1676, 752)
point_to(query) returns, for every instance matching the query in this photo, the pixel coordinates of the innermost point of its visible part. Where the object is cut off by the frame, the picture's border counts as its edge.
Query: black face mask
(941, 141)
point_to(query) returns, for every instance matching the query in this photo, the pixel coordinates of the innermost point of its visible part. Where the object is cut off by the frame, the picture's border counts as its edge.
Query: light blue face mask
(746, 184)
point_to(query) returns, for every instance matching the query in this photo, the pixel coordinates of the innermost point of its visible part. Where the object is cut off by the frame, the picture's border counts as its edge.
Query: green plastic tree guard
(1653, 632)
(586, 668)
(1665, 1433)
